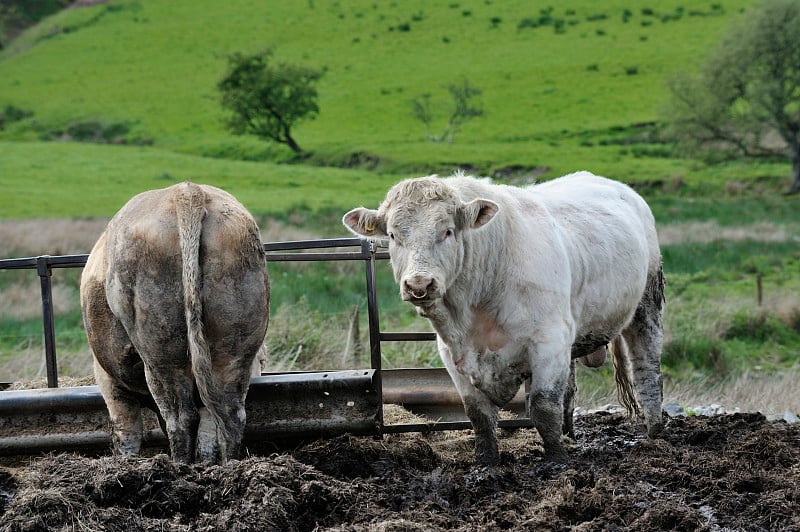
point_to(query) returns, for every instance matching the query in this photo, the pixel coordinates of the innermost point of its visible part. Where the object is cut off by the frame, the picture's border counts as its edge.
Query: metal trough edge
(278, 406)
(430, 393)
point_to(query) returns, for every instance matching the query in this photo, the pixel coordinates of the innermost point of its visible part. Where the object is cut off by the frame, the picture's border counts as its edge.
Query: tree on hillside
(745, 99)
(267, 100)
(16, 15)
(463, 109)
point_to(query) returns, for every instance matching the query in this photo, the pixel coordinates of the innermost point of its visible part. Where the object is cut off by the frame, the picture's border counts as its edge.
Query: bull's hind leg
(117, 367)
(644, 338)
(221, 430)
(151, 310)
(173, 392)
(125, 413)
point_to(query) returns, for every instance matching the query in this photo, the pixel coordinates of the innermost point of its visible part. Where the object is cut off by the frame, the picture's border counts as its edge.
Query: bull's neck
(450, 318)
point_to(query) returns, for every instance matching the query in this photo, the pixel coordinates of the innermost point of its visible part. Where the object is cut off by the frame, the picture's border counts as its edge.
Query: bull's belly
(499, 374)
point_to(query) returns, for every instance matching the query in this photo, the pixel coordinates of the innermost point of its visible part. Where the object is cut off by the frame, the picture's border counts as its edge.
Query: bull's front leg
(546, 410)
(483, 416)
(482, 413)
(550, 372)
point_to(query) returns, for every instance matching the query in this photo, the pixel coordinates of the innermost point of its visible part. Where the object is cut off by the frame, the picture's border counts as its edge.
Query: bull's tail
(625, 392)
(191, 211)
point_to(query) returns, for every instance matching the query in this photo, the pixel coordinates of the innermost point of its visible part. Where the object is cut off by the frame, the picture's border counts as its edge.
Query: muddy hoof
(557, 457)
(656, 430)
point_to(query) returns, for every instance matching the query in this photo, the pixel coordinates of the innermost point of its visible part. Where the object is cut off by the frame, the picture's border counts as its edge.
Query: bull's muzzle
(418, 289)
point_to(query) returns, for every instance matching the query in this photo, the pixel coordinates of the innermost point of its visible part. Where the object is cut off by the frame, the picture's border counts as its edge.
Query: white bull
(520, 282)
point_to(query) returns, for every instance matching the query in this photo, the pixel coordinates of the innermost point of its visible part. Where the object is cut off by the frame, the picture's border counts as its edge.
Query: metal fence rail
(290, 251)
(426, 392)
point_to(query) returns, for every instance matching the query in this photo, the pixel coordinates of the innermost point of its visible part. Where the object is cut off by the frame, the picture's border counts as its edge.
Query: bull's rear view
(175, 299)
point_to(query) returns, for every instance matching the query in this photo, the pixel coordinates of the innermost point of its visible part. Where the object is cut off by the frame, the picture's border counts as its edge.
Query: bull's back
(597, 204)
(610, 237)
(144, 270)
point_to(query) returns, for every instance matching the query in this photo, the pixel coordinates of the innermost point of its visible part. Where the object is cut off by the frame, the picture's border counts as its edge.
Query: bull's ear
(477, 213)
(365, 222)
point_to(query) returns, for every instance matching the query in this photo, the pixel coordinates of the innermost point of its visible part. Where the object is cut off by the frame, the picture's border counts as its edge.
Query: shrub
(760, 326)
(626, 15)
(11, 114)
(697, 352)
(93, 131)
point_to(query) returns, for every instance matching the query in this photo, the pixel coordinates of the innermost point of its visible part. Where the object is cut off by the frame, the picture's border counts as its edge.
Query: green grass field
(574, 86)
(583, 68)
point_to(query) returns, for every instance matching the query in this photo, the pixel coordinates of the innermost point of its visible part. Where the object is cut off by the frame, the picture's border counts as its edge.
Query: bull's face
(425, 222)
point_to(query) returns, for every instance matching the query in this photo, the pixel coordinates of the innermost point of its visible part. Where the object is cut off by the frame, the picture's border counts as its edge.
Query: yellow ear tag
(369, 228)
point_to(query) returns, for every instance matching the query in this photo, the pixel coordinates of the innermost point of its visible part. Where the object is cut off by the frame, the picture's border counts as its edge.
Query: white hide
(512, 277)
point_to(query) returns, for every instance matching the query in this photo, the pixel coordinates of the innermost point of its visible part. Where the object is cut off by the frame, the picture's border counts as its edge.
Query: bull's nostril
(418, 287)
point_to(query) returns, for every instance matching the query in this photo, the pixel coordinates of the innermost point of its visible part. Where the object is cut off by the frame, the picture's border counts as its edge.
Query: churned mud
(726, 472)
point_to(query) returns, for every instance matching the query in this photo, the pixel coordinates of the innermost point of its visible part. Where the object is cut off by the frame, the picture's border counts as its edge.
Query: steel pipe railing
(288, 251)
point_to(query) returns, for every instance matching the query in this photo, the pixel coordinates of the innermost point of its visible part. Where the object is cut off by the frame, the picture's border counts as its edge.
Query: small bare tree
(463, 109)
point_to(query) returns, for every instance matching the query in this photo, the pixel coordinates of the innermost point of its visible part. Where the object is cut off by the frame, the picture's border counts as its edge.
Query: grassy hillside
(89, 180)
(549, 75)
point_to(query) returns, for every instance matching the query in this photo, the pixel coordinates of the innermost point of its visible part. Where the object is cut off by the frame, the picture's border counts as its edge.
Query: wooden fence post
(759, 292)
(353, 339)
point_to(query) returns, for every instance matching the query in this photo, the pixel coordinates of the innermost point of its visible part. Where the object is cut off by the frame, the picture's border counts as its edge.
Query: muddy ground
(728, 472)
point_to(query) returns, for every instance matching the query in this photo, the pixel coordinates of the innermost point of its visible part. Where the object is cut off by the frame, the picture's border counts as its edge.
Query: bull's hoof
(655, 430)
(487, 456)
(487, 459)
(556, 454)
(557, 457)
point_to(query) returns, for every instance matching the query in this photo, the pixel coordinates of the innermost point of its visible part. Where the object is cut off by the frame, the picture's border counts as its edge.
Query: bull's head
(425, 221)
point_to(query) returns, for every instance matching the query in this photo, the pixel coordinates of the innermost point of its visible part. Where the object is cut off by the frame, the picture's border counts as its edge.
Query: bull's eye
(448, 233)
(391, 236)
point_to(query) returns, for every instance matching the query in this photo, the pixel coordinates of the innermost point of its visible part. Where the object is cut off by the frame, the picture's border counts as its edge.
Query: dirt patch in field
(737, 471)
